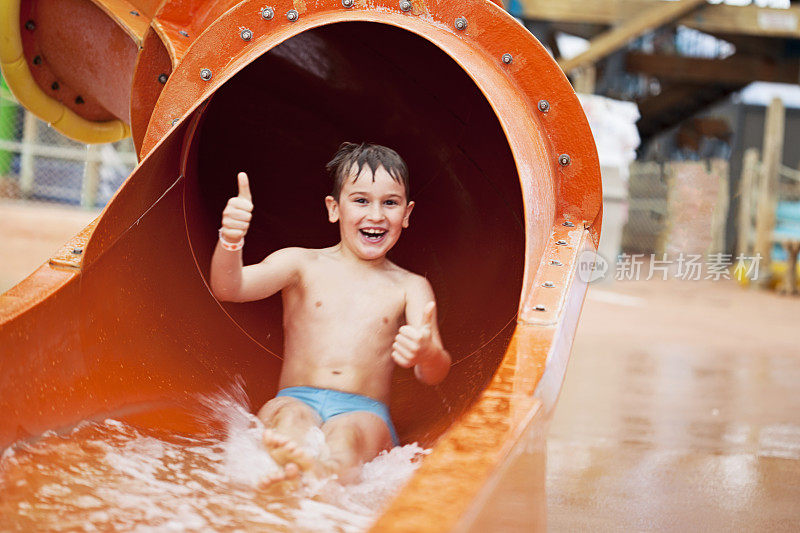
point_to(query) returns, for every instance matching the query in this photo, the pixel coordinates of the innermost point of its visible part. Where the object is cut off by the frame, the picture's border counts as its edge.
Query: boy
(349, 315)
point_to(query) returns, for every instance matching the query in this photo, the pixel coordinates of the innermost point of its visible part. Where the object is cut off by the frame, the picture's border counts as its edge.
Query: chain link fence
(677, 207)
(39, 164)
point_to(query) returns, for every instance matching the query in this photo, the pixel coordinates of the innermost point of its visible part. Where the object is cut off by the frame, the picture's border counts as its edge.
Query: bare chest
(368, 301)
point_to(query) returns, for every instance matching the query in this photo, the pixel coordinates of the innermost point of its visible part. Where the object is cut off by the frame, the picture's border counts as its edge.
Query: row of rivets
(267, 13)
(563, 159)
(550, 284)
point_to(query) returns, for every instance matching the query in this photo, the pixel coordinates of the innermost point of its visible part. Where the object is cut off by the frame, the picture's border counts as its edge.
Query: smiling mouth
(373, 235)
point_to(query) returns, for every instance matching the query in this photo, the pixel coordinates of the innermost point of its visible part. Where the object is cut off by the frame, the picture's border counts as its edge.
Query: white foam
(111, 476)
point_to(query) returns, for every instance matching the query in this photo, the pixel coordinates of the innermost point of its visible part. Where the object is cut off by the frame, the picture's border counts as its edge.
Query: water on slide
(112, 476)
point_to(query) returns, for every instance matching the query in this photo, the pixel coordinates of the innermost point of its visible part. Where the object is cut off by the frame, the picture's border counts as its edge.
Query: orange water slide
(121, 322)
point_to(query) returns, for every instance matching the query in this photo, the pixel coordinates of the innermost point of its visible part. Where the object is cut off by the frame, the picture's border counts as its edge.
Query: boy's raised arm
(418, 343)
(232, 281)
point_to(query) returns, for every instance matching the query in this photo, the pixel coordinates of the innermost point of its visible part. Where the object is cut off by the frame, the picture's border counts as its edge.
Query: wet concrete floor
(680, 412)
(32, 232)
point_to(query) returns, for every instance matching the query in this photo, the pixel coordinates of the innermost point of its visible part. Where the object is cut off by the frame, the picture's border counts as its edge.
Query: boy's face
(371, 215)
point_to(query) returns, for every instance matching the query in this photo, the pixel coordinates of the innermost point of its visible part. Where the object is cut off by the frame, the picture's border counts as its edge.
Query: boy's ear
(333, 208)
(409, 208)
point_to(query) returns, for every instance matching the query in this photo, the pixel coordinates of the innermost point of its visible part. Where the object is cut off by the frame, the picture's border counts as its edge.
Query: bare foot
(290, 457)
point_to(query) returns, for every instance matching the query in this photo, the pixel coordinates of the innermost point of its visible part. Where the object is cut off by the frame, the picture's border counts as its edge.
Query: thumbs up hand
(414, 345)
(238, 212)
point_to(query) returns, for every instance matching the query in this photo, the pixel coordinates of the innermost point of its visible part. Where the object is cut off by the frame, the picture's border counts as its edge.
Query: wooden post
(720, 215)
(768, 182)
(30, 137)
(584, 79)
(749, 179)
(91, 177)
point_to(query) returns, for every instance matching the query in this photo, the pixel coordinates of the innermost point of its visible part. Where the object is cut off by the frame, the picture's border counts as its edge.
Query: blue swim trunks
(330, 403)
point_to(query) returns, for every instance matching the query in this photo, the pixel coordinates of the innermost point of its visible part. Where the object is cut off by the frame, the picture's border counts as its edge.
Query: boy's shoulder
(409, 279)
(295, 253)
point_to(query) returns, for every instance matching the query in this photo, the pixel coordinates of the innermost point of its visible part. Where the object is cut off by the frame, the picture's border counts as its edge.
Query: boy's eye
(391, 202)
(361, 200)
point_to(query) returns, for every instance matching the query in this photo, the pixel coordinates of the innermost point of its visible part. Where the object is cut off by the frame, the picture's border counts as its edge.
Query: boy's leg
(353, 439)
(288, 421)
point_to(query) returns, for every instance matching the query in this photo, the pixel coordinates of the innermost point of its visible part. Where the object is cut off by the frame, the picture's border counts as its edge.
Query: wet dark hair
(373, 155)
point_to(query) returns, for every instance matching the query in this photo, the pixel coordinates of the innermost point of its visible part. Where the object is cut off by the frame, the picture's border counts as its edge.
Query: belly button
(318, 304)
(337, 372)
(385, 320)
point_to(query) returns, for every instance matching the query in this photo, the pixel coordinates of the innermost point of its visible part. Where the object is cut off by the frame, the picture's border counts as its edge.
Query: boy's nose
(376, 212)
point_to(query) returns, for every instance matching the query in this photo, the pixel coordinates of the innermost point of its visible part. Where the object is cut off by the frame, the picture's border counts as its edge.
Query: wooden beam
(747, 20)
(676, 103)
(595, 11)
(720, 19)
(659, 14)
(735, 69)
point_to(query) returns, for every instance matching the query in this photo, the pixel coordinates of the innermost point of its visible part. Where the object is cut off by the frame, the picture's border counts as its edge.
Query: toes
(274, 478)
(291, 470)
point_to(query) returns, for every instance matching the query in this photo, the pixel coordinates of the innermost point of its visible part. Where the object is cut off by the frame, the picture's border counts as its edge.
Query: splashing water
(110, 475)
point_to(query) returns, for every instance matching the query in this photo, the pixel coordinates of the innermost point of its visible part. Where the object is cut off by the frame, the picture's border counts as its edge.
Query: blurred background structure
(680, 410)
(702, 75)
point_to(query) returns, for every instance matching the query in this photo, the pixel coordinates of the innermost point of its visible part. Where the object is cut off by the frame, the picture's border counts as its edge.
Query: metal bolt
(347, 3)
(184, 33)
(556, 263)
(30, 25)
(540, 307)
(267, 13)
(135, 13)
(246, 34)
(205, 74)
(544, 106)
(77, 251)
(564, 160)
(548, 284)
(79, 100)
(507, 58)
(55, 86)
(405, 5)
(561, 242)
(461, 23)
(37, 60)
(568, 224)
(292, 15)
(162, 78)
